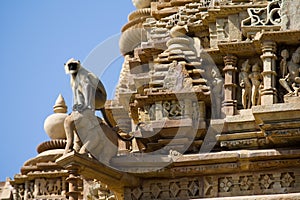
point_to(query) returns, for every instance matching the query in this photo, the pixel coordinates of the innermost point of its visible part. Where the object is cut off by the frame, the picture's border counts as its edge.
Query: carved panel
(19, 192)
(41, 188)
(48, 187)
(258, 183)
(94, 190)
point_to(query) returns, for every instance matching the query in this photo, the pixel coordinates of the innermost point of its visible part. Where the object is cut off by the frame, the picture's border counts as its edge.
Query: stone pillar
(230, 103)
(213, 35)
(220, 24)
(269, 92)
(26, 190)
(73, 180)
(63, 186)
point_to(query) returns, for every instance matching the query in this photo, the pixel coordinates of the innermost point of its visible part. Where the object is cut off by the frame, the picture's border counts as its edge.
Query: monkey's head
(72, 66)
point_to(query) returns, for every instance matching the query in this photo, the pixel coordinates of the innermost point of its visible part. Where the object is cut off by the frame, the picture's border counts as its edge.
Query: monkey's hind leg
(69, 126)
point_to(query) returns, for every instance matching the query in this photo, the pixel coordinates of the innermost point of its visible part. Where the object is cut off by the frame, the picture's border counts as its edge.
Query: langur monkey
(88, 91)
(88, 94)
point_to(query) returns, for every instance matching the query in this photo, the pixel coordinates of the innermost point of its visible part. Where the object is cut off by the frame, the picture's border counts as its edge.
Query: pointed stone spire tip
(60, 105)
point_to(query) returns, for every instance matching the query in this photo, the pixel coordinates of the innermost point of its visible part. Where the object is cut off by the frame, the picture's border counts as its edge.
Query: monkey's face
(72, 66)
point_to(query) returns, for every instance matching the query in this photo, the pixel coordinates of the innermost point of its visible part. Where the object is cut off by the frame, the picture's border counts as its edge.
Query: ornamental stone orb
(139, 4)
(54, 124)
(178, 31)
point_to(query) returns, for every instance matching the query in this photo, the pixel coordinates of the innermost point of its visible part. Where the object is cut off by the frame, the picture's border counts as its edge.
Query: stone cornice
(290, 37)
(209, 163)
(225, 10)
(90, 168)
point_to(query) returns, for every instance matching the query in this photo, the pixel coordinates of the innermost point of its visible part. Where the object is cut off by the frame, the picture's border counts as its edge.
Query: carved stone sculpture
(256, 79)
(245, 84)
(283, 64)
(216, 93)
(291, 79)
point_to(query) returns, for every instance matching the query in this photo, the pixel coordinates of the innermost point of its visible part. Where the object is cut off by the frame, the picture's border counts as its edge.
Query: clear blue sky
(36, 38)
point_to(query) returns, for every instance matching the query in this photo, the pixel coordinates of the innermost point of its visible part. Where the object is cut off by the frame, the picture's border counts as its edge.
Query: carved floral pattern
(225, 184)
(214, 186)
(246, 183)
(266, 181)
(287, 179)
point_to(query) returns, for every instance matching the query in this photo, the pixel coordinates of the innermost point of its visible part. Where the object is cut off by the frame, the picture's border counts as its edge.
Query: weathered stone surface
(290, 14)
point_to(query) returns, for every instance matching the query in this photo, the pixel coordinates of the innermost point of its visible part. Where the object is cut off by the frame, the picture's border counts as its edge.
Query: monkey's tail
(118, 131)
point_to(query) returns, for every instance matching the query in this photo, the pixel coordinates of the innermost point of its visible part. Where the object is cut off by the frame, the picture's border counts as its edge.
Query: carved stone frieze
(41, 188)
(256, 183)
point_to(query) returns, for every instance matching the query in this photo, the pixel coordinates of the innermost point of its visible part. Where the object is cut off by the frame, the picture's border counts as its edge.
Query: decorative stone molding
(230, 185)
(53, 144)
(131, 39)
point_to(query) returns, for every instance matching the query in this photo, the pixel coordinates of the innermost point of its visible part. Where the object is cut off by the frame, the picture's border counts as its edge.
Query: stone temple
(209, 91)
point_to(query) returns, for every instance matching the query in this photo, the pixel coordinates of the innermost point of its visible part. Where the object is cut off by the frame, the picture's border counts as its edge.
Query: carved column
(230, 103)
(26, 190)
(220, 24)
(73, 180)
(213, 35)
(269, 92)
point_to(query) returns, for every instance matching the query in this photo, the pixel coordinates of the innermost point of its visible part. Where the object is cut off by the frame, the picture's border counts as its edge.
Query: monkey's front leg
(69, 126)
(89, 95)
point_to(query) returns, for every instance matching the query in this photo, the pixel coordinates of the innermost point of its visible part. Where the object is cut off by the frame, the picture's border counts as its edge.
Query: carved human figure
(166, 108)
(245, 84)
(21, 192)
(152, 112)
(57, 187)
(30, 192)
(291, 78)
(42, 185)
(176, 109)
(50, 187)
(283, 64)
(216, 92)
(256, 79)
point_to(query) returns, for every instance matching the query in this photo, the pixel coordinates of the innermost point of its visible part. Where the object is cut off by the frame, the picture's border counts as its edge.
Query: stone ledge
(90, 168)
(292, 196)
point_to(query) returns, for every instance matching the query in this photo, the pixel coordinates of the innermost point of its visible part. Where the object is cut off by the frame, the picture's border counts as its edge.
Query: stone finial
(60, 105)
(54, 124)
(178, 31)
(139, 4)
